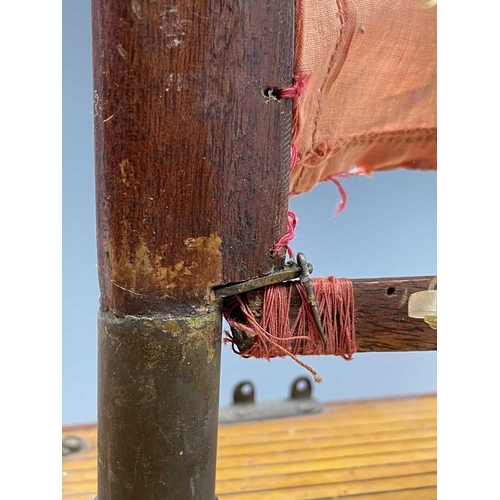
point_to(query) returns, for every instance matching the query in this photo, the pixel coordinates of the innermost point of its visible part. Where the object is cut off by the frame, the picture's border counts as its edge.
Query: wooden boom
(381, 314)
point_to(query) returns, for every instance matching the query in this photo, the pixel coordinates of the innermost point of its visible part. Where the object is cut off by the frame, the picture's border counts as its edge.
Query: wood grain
(192, 162)
(334, 490)
(369, 450)
(282, 436)
(381, 311)
(192, 171)
(351, 417)
(260, 471)
(315, 442)
(407, 494)
(381, 314)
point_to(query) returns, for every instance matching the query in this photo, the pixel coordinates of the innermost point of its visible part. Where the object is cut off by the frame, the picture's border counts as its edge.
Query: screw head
(71, 444)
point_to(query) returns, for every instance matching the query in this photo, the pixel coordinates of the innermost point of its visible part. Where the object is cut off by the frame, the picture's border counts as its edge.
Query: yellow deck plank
(331, 452)
(342, 476)
(323, 491)
(366, 450)
(311, 428)
(315, 443)
(412, 494)
(90, 473)
(315, 439)
(316, 453)
(345, 414)
(323, 432)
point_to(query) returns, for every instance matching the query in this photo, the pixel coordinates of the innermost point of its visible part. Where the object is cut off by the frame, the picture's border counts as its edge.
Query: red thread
(278, 335)
(296, 90)
(343, 196)
(289, 236)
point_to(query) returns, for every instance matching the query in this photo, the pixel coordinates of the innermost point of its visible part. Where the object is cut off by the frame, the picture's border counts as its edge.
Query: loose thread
(279, 335)
(284, 241)
(267, 345)
(296, 90)
(343, 196)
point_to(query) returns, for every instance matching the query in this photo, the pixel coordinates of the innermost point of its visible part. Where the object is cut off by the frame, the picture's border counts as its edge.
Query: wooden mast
(192, 182)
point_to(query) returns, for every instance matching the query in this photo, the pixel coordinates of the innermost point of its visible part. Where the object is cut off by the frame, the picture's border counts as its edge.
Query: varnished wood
(334, 490)
(287, 481)
(192, 162)
(382, 321)
(192, 166)
(88, 471)
(315, 442)
(352, 417)
(316, 430)
(381, 314)
(369, 450)
(421, 493)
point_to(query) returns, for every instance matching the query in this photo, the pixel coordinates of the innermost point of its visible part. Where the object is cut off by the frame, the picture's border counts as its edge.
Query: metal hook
(305, 278)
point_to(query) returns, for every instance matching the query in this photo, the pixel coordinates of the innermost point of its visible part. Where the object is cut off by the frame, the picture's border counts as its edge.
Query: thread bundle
(277, 334)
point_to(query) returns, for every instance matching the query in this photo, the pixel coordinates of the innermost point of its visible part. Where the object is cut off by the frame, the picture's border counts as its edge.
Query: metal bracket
(301, 269)
(244, 407)
(290, 271)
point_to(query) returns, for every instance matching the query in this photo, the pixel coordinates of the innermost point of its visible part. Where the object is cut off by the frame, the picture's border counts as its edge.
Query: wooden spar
(382, 321)
(192, 168)
(381, 314)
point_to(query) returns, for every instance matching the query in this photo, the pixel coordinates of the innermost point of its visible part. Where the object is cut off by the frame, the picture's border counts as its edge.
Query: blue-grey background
(387, 229)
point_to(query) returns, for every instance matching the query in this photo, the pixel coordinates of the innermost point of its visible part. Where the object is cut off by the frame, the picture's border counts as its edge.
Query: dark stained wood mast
(191, 160)
(192, 170)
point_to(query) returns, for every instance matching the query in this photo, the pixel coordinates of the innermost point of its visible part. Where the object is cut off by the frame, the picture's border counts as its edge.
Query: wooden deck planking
(363, 450)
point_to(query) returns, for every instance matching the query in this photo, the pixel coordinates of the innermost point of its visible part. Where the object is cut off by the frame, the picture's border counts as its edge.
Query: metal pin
(308, 285)
(289, 272)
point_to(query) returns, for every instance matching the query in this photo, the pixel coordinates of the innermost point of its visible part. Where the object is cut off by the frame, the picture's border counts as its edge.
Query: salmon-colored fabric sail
(370, 88)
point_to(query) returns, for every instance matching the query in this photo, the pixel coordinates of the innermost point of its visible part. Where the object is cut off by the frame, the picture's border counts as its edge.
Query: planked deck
(362, 450)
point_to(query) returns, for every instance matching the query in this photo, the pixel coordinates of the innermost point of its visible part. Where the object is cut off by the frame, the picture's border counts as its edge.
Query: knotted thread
(277, 334)
(296, 90)
(284, 241)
